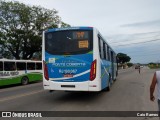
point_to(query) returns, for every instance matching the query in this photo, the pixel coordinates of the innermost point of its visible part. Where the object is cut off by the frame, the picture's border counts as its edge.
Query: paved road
(129, 93)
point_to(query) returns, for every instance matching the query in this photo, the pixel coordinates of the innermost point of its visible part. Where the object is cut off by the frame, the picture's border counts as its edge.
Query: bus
(77, 59)
(19, 71)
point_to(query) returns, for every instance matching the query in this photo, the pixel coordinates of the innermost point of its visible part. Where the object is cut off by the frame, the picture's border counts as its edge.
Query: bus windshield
(69, 42)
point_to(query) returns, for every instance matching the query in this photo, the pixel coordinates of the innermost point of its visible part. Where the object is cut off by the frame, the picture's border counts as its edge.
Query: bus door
(112, 64)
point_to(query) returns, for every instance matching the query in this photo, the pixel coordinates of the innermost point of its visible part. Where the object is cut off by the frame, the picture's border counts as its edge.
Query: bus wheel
(24, 80)
(116, 73)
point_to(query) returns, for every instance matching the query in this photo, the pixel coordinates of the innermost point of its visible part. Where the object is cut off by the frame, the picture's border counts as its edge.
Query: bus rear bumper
(69, 86)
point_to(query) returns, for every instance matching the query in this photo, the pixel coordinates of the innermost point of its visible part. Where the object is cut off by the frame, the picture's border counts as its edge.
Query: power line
(145, 55)
(133, 39)
(143, 51)
(145, 58)
(136, 43)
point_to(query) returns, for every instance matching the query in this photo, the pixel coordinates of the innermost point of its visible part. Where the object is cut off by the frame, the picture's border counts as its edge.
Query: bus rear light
(93, 70)
(45, 71)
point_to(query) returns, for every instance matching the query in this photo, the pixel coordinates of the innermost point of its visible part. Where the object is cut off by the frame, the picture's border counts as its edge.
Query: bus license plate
(68, 75)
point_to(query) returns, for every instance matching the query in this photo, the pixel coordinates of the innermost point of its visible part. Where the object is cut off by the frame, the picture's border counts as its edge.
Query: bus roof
(19, 60)
(69, 28)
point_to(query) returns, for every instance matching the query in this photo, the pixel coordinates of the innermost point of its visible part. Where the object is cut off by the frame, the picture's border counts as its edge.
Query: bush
(129, 64)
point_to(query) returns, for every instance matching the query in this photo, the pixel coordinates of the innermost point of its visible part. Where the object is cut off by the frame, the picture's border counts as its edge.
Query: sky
(129, 26)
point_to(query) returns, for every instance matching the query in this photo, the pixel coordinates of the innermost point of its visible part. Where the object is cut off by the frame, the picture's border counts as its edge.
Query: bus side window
(99, 42)
(111, 55)
(101, 48)
(104, 50)
(38, 66)
(21, 65)
(30, 66)
(115, 59)
(108, 52)
(9, 66)
(1, 66)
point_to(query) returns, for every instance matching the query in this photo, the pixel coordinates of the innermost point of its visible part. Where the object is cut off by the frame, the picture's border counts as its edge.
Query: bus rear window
(69, 42)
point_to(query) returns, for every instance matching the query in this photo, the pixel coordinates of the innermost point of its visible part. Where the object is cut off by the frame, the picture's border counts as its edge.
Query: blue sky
(126, 24)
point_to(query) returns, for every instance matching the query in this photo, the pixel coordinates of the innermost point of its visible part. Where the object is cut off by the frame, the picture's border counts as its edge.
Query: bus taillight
(45, 71)
(93, 70)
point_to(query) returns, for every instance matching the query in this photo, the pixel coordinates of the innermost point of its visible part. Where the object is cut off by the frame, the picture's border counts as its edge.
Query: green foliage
(123, 58)
(129, 64)
(21, 28)
(154, 65)
(63, 25)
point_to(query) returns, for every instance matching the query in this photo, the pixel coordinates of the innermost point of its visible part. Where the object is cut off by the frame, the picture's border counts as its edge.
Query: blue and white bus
(77, 59)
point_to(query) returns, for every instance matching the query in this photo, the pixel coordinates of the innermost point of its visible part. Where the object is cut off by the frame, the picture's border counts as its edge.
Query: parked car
(137, 67)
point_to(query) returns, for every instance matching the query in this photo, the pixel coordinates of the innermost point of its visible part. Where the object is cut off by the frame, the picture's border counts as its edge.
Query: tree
(129, 64)
(21, 27)
(5, 53)
(123, 58)
(63, 25)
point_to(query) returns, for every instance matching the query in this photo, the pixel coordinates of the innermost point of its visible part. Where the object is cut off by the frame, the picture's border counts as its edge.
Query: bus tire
(108, 87)
(116, 73)
(24, 80)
